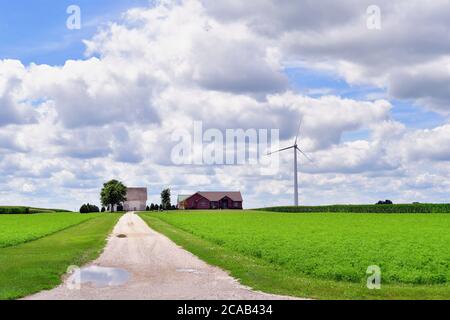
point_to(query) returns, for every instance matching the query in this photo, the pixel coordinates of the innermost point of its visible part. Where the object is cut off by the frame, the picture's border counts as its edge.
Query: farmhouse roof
(217, 196)
(183, 197)
(136, 194)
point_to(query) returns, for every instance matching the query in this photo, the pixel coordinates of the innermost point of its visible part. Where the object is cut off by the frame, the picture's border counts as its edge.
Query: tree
(165, 199)
(92, 208)
(113, 193)
(152, 207)
(103, 209)
(147, 209)
(156, 207)
(89, 208)
(387, 202)
(83, 209)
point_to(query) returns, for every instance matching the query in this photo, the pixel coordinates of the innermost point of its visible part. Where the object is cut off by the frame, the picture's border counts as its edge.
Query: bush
(89, 208)
(103, 209)
(385, 208)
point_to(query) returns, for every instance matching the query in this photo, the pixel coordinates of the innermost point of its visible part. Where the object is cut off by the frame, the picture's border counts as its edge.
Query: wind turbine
(296, 149)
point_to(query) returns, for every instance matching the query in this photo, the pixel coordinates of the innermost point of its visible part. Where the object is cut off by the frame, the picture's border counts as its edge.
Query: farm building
(136, 199)
(211, 200)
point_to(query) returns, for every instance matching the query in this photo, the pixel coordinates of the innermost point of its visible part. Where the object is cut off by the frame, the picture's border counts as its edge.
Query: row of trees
(155, 207)
(166, 202)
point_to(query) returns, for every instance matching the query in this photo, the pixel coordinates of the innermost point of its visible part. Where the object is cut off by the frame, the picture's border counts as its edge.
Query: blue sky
(259, 64)
(35, 31)
(316, 83)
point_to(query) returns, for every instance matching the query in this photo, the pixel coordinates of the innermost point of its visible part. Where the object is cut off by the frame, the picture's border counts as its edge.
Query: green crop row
(28, 210)
(394, 208)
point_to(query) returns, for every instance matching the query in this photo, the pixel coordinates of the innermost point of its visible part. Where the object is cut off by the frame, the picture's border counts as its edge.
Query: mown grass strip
(271, 278)
(17, 229)
(39, 265)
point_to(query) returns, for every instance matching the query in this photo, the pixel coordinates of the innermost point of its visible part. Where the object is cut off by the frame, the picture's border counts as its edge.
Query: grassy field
(321, 255)
(16, 229)
(38, 265)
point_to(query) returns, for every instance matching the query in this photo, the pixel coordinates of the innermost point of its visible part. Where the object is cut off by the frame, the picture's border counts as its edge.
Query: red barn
(211, 200)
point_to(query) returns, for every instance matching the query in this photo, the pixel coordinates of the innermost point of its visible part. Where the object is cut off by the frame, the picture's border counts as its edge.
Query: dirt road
(139, 263)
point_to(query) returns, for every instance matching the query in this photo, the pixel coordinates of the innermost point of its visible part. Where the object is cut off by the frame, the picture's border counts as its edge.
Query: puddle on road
(99, 277)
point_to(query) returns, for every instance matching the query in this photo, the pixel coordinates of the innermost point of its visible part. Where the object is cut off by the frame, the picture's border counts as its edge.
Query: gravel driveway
(139, 263)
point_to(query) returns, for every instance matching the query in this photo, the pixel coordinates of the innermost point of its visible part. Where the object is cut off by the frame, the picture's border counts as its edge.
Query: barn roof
(136, 194)
(217, 196)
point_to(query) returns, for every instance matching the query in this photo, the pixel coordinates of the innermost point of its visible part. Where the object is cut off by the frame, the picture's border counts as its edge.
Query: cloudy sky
(80, 107)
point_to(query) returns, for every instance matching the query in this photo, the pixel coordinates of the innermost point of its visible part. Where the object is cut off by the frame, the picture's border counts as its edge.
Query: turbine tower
(296, 149)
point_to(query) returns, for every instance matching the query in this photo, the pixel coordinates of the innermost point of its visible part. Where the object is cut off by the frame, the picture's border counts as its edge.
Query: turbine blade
(298, 132)
(305, 155)
(280, 150)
